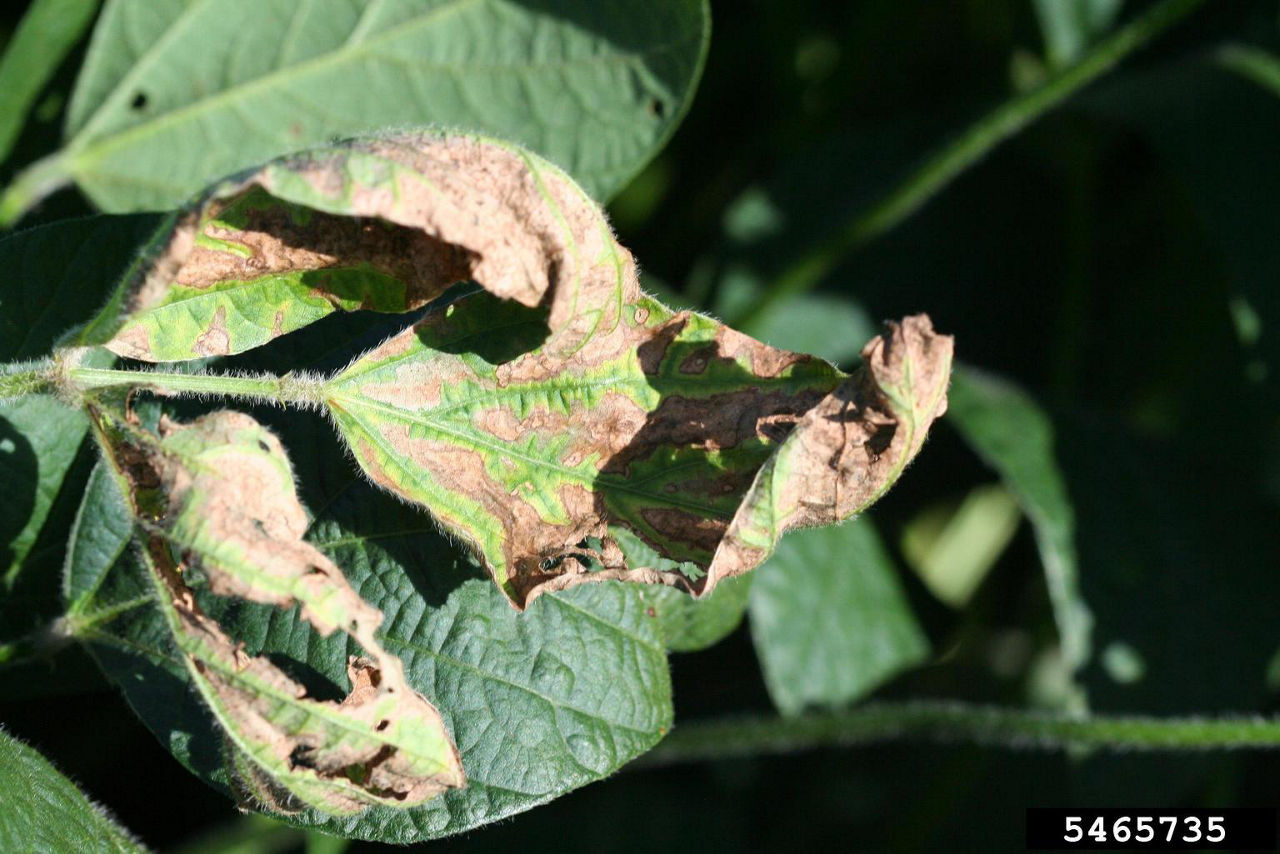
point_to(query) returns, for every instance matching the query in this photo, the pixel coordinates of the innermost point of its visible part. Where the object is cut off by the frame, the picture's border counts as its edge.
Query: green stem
(980, 138)
(1012, 728)
(296, 389)
(21, 380)
(32, 184)
(44, 643)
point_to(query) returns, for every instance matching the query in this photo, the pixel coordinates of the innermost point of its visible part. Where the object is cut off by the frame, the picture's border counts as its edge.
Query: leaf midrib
(477, 443)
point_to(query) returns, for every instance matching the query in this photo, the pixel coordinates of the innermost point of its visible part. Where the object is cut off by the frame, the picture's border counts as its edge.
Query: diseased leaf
(174, 95)
(701, 442)
(540, 703)
(216, 498)
(385, 224)
(44, 811)
(1011, 433)
(532, 434)
(829, 619)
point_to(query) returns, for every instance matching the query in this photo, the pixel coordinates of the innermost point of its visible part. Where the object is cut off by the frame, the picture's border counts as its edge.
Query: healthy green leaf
(952, 547)
(44, 811)
(689, 625)
(39, 440)
(829, 619)
(1070, 27)
(216, 497)
(48, 31)
(175, 95)
(1014, 436)
(540, 702)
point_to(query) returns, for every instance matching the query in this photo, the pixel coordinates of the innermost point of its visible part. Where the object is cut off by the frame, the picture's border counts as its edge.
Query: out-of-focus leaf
(48, 31)
(219, 495)
(952, 548)
(1014, 436)
(44, 811)
(539, 703)
(1070, 27)
(175, 95)
(829, 618)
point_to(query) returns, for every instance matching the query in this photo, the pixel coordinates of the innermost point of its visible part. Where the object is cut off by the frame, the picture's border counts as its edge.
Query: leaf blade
(45, 811)
(829, 619)
(152, 133)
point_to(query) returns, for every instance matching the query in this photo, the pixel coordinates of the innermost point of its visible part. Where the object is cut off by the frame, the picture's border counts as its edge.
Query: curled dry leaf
(386, 224)
(561, 420)
(217, 497)
(705, 444)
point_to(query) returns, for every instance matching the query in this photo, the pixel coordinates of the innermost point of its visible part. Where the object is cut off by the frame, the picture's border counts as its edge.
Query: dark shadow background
(1113, 259)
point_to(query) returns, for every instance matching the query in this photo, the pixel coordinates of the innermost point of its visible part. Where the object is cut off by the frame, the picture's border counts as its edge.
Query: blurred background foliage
(1110, 274)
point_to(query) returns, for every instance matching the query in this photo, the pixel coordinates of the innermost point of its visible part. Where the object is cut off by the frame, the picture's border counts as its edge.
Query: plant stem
(21, 380)
(943, 166)
(988, 725)
(32, 184)
(43, 643)
(298, 389)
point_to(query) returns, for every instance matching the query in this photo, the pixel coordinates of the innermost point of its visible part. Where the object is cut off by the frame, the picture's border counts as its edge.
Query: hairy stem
(290, 389)
(21, 380)
(958, 722)
(943, 166)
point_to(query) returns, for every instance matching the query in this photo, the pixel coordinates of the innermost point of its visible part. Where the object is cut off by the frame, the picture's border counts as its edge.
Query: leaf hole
(139, 101)
(382, 725)
(657, 109)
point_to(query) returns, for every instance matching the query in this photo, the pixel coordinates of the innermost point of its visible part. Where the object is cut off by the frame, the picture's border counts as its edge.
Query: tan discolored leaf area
(671, 451)
(386, 224)
(215, 499)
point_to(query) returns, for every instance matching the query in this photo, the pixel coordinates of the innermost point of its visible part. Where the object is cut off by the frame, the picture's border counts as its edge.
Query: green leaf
(540, 703)
(1070, 27)
(47, 33)
(1015, 437)
(175, 95)
(44, 811)
(952, 547)
(56, 276)
(216, 499)
(59, 274)
(689, 625)
(829, 618)
(39, 440)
